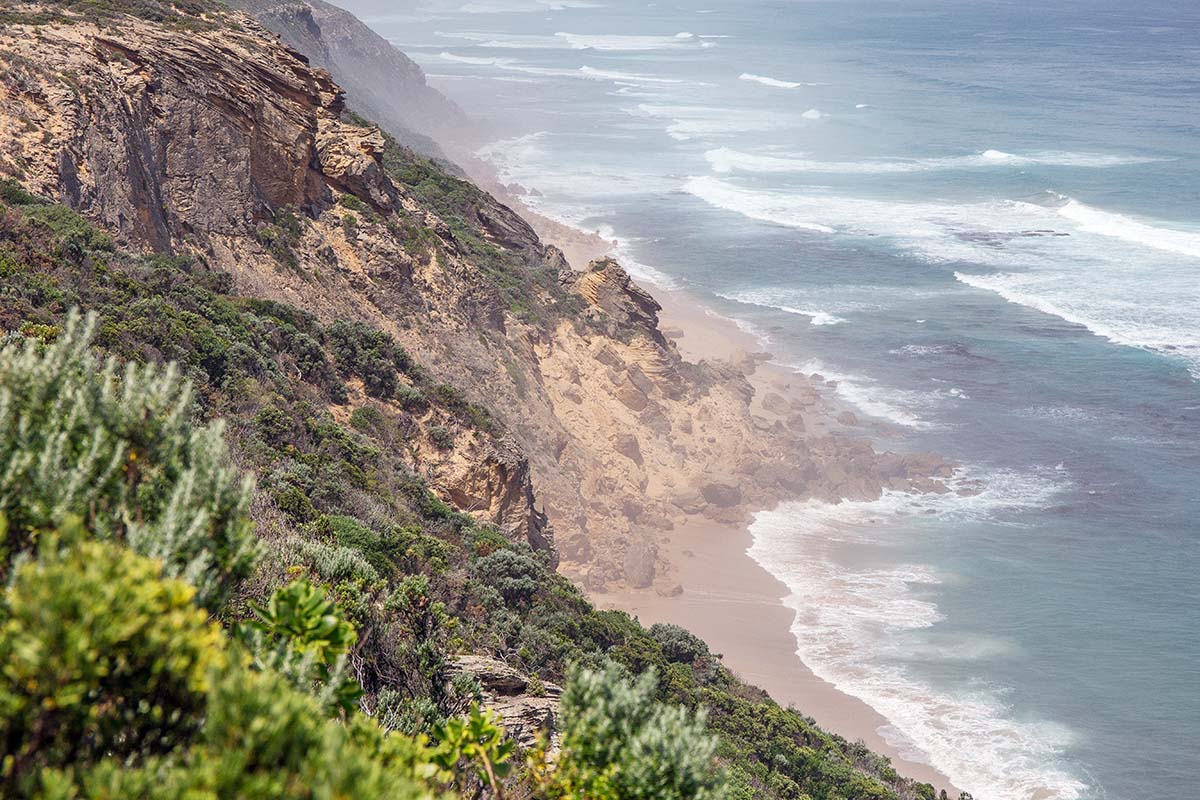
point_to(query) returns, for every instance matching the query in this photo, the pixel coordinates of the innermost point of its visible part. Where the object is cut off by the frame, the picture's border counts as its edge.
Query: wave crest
(855, 626)
(728, 160)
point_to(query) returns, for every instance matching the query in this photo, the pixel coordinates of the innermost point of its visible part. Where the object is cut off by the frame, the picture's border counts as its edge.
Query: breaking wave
(856, 627)
(728, 160)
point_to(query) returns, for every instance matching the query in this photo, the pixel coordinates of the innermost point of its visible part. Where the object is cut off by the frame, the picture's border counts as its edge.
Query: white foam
(773, 82)
(629, 42)
(574, 198)
(525, 6)
(1090, 272)
(856, 626)
(641, 271)
(799, 302)
(1119, 226)
(1167, 326)
(728, 160)
(686, 122)
(904, 407)
(579, 41)
(584, 72)
(814, 113)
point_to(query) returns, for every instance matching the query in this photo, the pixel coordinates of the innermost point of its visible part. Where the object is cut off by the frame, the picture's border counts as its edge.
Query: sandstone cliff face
(226, 144)
(380, 81)
(199, 142)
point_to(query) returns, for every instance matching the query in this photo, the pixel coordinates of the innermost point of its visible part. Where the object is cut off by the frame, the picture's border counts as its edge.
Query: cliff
(380, 81)
(226, 145)
(399, 351)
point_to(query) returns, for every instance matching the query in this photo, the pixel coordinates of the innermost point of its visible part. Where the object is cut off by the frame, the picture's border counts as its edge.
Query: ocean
(982, 218)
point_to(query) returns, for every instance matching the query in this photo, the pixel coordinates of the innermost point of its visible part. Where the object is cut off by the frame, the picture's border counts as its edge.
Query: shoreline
(736, 606)
(729, 599)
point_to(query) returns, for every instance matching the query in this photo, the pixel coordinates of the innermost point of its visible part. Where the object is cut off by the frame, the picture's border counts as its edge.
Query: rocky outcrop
(224, 143)
(506, 691)
(161, 136)
(492, 481)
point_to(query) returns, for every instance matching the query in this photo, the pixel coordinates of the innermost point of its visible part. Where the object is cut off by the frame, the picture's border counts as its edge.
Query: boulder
(722, 494)
(639, 564)
(775, 404)
(689, 501)
(627, 445)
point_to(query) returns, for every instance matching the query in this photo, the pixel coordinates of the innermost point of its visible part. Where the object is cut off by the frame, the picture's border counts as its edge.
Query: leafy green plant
(442, 437)
(119, 450)
(477, 742)
(300, 633)
(619, 744)
(99, 657)
(302, 615)
(514, 574)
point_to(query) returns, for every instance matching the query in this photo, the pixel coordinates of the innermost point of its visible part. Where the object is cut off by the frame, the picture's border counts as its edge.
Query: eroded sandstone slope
(221, 142)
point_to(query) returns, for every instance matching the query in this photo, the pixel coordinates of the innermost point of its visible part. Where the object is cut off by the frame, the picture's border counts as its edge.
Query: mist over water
(981, 218)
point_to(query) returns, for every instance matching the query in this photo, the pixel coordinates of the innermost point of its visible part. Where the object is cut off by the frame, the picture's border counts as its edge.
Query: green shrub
(120, 451)
(99, 657)
(514, 574)
(380, 550)
(442, 437)
(370, 354)
(619, 744)
(282, 236)
(678, 644)
(336, 563)
(293, 502)
(366, 419)
(262, 740)
(301, 634)
(410, 398)
(476, 743)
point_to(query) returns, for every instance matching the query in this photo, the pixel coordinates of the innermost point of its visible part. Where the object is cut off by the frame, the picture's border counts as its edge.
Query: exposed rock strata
(526, 716)
(380, 81)
(206, 142)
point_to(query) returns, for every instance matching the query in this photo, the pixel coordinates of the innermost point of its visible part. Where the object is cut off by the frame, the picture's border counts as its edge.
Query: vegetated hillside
(207, 136)
(346, 306)
(380, 81)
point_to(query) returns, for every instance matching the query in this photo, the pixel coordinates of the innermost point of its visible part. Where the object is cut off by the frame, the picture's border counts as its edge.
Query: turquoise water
(983, 219)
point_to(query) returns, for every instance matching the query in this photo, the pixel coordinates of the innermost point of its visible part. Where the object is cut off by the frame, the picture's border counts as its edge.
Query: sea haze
(980, 218)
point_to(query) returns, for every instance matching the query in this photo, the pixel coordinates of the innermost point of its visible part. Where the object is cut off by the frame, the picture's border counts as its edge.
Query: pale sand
(728, 599)
(735, 605)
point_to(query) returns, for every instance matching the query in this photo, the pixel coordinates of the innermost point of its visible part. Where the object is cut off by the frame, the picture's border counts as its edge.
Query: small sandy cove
(728, 599)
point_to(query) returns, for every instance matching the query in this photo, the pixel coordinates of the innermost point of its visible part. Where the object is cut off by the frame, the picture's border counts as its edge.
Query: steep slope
(380, 81)
(353, 308)
(225, 145)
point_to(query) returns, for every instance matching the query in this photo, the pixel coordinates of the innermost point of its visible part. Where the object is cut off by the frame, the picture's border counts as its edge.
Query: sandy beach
(728, 599)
